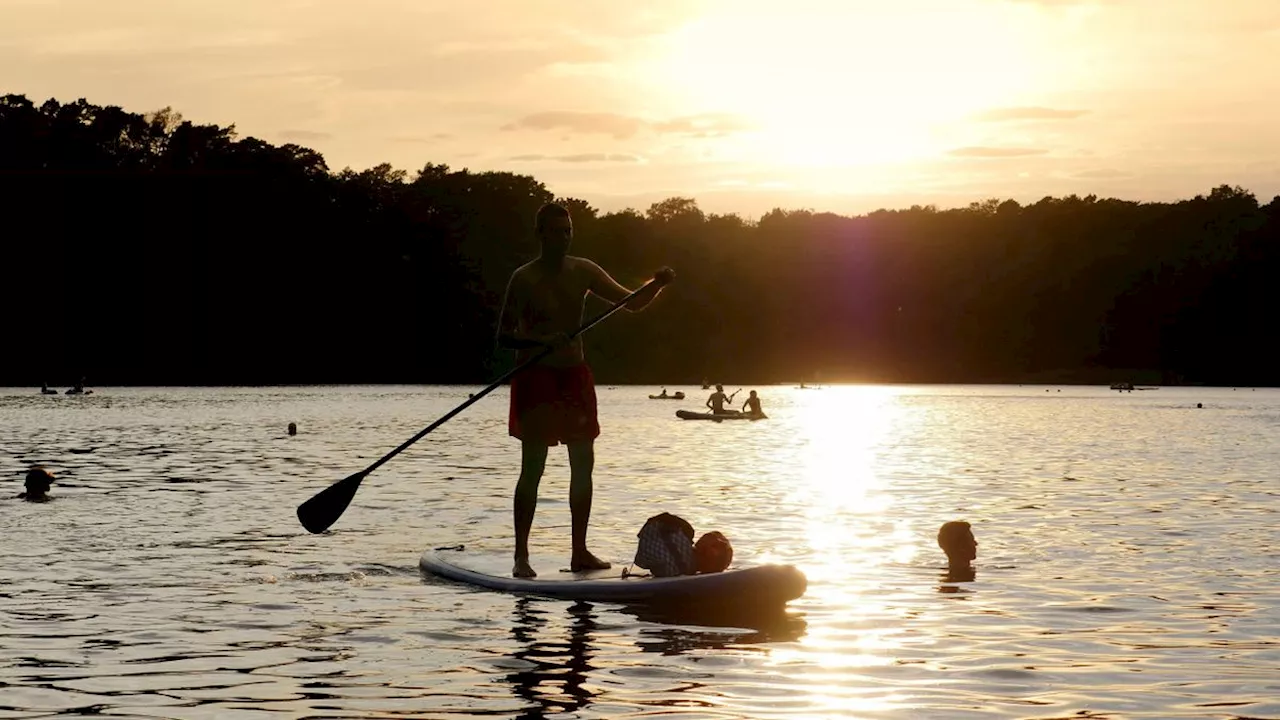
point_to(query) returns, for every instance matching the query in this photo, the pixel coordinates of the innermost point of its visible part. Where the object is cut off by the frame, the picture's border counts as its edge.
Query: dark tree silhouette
(145, 249)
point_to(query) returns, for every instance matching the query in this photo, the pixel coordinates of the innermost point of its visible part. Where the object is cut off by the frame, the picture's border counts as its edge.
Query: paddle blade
(324, 509)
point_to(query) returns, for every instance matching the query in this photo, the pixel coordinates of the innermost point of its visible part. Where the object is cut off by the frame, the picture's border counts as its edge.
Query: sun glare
(839, 84)
(844, 427)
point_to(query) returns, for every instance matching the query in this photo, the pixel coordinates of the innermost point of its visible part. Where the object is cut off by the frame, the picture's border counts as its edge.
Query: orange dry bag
(712, 552)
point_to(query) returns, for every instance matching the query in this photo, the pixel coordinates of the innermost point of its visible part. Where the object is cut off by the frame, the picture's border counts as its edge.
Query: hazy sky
(843, 105)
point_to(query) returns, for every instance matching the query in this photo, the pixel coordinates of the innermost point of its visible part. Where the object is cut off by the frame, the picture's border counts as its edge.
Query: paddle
(326, 506)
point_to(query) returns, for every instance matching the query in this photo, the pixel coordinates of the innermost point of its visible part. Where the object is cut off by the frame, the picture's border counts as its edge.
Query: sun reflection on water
(843, 430)
(851, 531)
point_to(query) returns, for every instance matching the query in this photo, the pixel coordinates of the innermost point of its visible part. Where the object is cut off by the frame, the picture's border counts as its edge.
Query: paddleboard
(690, 415)
(763, 586)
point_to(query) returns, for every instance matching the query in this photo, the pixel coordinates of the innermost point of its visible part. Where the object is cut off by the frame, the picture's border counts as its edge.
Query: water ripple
(1128, 563)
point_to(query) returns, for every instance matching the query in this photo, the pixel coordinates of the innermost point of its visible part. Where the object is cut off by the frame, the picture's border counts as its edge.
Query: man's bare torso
(552, 301)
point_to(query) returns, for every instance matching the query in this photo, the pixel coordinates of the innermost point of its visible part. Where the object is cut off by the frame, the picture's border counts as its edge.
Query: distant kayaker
(663, 393)
(718, 400)
(752, 404)
(957, 541)
(554, 401)
(37, 484)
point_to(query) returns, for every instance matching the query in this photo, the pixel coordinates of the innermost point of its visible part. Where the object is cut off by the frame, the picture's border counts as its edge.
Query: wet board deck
(762, 586)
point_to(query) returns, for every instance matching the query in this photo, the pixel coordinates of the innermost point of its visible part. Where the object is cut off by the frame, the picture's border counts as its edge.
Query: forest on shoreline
(143, 249)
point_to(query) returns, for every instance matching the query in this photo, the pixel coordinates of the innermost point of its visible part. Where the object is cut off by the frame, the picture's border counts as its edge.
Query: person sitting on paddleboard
(752, 404)
(37, 484)
(554, 401)
(718, 399)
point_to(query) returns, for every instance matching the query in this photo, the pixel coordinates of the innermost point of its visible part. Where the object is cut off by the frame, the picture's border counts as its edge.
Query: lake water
(1129, 558)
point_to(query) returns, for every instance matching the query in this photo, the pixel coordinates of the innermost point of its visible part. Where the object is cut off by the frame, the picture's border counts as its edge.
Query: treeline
(145, 249)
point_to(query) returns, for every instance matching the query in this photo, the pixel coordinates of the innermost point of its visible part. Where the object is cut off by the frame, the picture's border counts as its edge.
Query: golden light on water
(842, 431)
(843, 427)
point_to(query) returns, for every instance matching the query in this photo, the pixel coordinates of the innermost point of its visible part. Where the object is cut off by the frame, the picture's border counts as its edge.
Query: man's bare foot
(586, 561)
(523, 570)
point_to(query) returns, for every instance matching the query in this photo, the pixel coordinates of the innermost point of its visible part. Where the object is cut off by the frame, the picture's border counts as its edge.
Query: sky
(744, 105)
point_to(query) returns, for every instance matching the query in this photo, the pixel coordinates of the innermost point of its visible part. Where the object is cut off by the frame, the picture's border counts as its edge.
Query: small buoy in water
(1199, 405)
(293, 429)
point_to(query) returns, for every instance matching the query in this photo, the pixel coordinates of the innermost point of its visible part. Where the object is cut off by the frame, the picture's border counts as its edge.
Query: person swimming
(956, 540)
(37, 484)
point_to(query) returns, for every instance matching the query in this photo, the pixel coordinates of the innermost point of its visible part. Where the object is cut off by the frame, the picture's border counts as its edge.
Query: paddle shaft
(505, 377)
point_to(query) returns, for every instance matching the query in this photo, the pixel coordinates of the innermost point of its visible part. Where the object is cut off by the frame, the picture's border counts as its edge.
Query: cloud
(995, 152)
(435, 137)
(305, 135)
(1102, 174)
(707, 125)
(619, 126)
(1029, 113)
(579, 158)
(622, 127)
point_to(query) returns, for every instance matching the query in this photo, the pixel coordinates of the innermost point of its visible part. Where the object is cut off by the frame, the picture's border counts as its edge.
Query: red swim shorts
(554, 405)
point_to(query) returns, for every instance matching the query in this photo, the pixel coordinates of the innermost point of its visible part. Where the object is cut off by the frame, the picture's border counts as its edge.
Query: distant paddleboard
(690, 415)
(763, 586)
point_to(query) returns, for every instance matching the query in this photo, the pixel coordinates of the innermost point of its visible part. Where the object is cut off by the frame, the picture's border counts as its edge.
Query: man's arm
(509, 335)
(604, 286)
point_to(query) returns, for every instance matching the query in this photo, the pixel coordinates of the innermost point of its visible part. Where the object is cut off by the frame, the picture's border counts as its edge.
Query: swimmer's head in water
(957, 541)
(37, 482)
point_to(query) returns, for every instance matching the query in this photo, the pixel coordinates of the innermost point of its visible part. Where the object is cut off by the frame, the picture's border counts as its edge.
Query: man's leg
(533, 460)
(582, 460)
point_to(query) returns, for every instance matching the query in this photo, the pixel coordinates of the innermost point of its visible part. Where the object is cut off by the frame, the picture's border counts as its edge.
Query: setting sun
(829, 85)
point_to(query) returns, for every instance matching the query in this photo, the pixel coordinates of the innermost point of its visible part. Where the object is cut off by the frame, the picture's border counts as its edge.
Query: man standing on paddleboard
(554, 401)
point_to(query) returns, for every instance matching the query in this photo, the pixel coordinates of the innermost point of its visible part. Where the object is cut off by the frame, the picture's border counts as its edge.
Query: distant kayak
(677, 396)
(690, 415)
